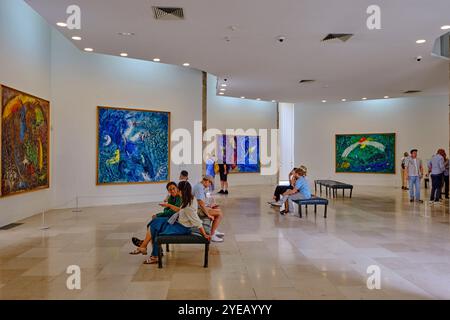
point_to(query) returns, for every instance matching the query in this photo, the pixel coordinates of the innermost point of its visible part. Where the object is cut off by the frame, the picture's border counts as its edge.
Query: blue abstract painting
(241, 153)
(133, 146)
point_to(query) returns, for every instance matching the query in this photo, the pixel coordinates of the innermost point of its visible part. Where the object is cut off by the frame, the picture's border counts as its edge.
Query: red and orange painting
(25, 123)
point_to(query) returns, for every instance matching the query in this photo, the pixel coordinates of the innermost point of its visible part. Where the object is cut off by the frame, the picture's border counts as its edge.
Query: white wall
(24, 65)
(234, 113)
(420, 122)
(81, 82)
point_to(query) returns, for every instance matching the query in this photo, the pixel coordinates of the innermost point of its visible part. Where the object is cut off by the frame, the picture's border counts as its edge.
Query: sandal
(139, 251)
(151, 260)
(137, 242)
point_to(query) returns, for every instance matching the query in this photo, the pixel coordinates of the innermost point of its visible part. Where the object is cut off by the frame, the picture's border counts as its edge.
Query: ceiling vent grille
(168, 13)
(341, 36)
(412, 91)
(306, 81)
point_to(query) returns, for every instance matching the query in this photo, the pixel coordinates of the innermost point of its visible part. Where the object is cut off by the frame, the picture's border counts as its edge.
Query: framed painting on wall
(133, 146)
(242, 153)
(366, 153)
(25, 137)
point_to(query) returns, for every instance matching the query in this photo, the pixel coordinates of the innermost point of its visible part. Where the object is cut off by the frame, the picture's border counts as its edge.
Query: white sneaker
(219, 234)
(215, 238)
(430, 203)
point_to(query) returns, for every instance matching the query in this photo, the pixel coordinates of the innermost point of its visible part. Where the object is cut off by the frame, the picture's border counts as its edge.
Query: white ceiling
(372, 64)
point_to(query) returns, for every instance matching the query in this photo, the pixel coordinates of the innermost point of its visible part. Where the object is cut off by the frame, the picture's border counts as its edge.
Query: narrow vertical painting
(365, 153)
(132, 146)
(241, 153)
(25, 124)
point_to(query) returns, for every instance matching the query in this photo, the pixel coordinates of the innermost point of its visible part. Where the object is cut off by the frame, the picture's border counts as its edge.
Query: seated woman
(179, 224)
(301, 191)
(171, 206)
(280, 190)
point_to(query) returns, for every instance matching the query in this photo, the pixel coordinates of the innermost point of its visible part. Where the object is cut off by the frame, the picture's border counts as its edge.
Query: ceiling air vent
(412, 91)
(168, 13)
(306, 81)
(341, 36)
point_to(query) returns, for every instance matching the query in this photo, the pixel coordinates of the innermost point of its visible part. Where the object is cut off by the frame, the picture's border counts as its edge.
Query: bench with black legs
(332, 187)
(181, 239)
(194, 238)
(312, 202)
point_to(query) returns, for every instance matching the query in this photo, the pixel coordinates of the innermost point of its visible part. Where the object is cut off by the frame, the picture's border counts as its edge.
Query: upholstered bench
(312, 202)
(194, 238)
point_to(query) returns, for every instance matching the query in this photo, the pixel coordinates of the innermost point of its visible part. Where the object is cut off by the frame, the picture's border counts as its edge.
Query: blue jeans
(414, 188)
(436, 187)
(161, 226)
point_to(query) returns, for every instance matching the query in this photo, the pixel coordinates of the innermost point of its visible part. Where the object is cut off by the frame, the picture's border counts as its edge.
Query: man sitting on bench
(205, 209)
(301, 191)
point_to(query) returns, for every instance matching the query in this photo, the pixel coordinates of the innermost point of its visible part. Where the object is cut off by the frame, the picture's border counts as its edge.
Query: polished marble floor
(265, 255)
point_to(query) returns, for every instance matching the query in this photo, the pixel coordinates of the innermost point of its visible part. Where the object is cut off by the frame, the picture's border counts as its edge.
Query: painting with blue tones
(133, 146)
(241, 153)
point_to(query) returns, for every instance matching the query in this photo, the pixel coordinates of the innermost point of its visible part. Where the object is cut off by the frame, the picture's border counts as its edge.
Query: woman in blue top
(301, 191)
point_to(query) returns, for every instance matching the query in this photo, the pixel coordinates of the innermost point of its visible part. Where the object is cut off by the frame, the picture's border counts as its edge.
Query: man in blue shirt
(437, 168)
(300, 191)
(208, 209)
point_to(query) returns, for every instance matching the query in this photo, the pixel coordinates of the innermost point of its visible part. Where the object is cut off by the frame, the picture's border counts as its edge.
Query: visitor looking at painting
(300, 191)
(404, 173)
(224, 170)
(436, 166)
(414, 170)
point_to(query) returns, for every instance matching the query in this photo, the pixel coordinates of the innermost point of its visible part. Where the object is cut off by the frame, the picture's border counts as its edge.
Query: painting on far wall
(25, 123)
(365, 153)
(133, 146)
(242, 153)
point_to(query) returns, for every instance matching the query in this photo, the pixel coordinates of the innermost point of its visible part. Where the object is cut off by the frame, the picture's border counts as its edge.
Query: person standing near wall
(404, 173)
(446, 177)
(437, 168)
(414, 169)
(223, 170)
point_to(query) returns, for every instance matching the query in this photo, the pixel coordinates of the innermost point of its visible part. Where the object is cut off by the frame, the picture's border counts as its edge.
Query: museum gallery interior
(217, 150)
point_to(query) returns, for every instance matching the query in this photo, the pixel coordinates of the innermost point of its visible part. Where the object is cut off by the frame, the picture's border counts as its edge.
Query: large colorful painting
(365, 153)
(133, 146)
(25, 124)
(242, 153)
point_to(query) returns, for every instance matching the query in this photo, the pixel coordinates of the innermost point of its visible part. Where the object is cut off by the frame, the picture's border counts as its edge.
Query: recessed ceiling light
(446, 27)
(126, 34)
(156, 60)
(221, 93)
(242, 97)
(259, 99)
(343, 100)
(88, 49)
(274, 101)
(364, 98)
(61, 24)
(223, 89)
(421, 41)
(386, 97)
(76, 38)
(124, 54)
(324, 101)
(186, 64)
(223, 85)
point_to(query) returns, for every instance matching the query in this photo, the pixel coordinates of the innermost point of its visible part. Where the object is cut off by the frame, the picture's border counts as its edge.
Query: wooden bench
(332, 187)
(312, 202)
